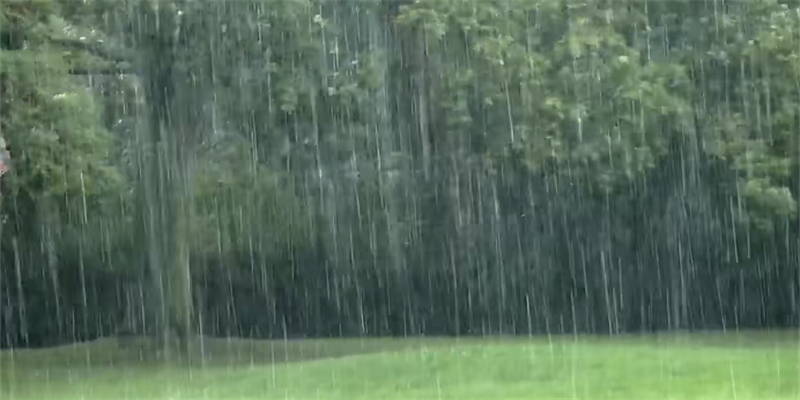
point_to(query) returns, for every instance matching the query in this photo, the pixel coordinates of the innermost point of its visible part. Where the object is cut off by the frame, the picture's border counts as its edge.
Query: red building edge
(5, 158)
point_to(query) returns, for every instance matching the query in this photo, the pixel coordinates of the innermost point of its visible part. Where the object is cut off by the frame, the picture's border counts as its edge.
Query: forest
(335, 168)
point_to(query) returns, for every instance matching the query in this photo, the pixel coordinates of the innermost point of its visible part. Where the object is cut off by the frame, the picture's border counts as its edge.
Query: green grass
(755, 365)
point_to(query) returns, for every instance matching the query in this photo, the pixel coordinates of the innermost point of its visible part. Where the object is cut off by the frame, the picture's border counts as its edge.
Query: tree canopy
(441, 166)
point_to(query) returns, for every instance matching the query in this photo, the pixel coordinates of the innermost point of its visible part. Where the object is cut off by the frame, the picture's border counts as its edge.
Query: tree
(61, 149)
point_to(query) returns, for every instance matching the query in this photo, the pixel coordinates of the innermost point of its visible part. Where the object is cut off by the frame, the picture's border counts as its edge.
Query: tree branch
(102, 71)
(98, 49)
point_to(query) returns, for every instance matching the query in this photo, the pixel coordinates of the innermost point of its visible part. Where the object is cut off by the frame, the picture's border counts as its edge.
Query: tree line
(339, 168)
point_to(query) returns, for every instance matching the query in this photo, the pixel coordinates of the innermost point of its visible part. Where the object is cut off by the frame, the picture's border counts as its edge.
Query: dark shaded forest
(327, 168)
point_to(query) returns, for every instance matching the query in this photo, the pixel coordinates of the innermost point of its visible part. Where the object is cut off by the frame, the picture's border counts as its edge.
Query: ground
(744, 365)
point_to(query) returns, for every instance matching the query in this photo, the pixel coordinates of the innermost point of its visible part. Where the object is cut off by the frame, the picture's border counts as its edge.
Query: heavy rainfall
(402, 199)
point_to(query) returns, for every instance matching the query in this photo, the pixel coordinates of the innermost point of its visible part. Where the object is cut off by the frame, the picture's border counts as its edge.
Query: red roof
(5, 158)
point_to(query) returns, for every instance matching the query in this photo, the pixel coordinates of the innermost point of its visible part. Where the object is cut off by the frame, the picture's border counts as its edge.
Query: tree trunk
(47, 222)
(165, 184)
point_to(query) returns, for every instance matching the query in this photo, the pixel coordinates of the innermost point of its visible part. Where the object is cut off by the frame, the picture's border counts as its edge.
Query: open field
(745, 365)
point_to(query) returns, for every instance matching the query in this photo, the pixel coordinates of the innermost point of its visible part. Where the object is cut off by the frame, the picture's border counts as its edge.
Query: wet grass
(745, 365)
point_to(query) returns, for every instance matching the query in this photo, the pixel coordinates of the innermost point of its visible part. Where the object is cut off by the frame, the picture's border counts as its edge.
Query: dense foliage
(303, 167)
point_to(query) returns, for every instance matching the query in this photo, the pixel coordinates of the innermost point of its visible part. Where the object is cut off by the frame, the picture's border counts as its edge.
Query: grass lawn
(746, 365)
